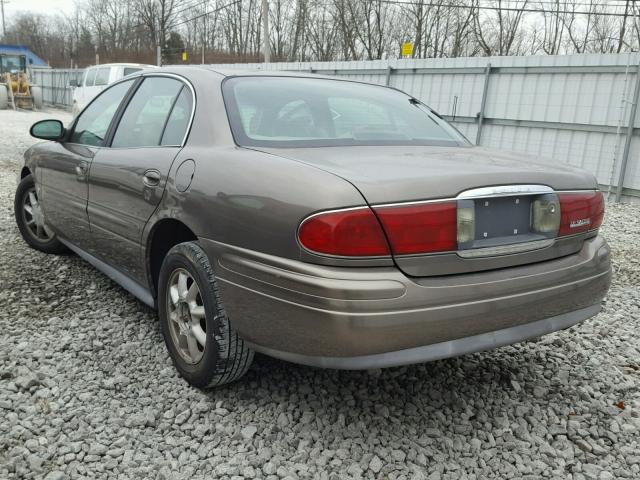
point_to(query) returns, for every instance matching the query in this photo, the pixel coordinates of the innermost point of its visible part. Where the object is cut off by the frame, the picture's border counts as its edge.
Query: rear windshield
(309, 112)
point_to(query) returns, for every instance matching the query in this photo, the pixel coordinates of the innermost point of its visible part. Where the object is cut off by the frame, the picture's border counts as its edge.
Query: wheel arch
(24, 172)
(163, 236)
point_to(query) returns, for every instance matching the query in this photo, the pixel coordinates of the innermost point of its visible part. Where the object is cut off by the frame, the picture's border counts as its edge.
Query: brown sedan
(321, 221)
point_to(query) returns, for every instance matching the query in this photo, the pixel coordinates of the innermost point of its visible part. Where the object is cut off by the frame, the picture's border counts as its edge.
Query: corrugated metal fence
(56, 90)
(573, 109)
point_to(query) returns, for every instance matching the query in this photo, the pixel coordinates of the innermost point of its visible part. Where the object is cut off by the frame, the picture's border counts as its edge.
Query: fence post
(627, 142)
(389, 72)
(487, 73)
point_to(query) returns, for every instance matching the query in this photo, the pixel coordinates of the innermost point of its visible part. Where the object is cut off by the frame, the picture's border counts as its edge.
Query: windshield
(12, 63)
(310, 112)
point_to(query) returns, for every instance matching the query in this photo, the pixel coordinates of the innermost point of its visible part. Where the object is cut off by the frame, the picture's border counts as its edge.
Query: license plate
(502, 217)
(500, 221)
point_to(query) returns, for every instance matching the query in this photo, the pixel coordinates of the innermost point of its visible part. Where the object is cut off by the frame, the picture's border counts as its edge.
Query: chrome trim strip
(415, 202)
(136, 75)
(438, 351)
(322, 212)
(504, 191)
(130, 285)
(463, 196)
(506, 249)
(586, 190)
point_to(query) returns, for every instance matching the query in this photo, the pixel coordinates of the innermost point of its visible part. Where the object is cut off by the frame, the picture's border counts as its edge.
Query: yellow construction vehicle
(15, 89)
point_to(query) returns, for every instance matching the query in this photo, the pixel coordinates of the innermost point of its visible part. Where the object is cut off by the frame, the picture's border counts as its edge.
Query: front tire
(36, 94)
(4, 98)
(31, 221)
(203, 345)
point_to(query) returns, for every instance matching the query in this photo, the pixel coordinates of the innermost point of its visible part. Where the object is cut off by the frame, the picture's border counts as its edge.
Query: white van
(96, 78)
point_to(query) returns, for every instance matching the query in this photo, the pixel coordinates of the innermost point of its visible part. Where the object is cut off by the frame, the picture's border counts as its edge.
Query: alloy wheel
(34, 217)
(187, 320)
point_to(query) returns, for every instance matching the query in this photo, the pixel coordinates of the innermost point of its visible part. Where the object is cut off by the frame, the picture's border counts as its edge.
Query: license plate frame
(501, 220)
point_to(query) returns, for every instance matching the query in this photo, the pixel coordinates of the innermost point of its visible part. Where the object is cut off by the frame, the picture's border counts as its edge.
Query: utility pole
(158, 55)
(4, 26)
(265, 30)
(627, 143)
(204, 36)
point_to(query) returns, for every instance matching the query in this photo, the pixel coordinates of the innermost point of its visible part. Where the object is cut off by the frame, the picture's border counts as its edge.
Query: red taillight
(580, 212)
(420, 228)
(350, 233)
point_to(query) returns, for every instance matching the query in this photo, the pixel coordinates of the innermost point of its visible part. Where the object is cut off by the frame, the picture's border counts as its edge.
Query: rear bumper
(357, 318)
(437, 351)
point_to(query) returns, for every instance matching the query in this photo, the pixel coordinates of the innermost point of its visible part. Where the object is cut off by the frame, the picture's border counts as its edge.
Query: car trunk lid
(408, 173)
(499, 189)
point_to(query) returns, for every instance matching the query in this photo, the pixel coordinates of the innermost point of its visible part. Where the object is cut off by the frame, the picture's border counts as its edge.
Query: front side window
(146, 115)
(309, 112)
(92, 125)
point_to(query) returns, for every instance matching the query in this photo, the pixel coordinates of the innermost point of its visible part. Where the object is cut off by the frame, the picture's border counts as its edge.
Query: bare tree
(156, 16)
(327, 29)
(499, 30)
(554, 26)
(323, 33)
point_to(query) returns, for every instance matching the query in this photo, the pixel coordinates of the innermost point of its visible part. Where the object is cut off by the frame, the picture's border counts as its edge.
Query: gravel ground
(87, 389)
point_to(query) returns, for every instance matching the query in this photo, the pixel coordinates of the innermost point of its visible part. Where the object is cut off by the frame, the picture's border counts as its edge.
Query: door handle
(151, 178)
(81, 169)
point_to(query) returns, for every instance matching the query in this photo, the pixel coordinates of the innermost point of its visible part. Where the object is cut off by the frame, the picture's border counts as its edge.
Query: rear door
(64, 171)
(127, 180)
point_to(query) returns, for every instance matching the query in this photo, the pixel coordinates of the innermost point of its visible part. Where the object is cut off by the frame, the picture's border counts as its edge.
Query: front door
(127, 180)
(64, 173)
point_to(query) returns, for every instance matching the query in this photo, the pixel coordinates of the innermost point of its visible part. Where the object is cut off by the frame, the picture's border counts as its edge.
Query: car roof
(242, 72)
(141, 65)
(198, 70)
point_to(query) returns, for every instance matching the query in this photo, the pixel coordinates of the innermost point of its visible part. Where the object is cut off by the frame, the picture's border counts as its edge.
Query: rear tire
(203, 345)
(36, 93)
(31, 221)
(4, 99)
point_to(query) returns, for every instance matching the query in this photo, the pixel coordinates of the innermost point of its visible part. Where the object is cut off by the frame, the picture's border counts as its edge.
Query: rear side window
(130, 70)
(102, 77)
(146, 115)
(178, 121)
(90, 78)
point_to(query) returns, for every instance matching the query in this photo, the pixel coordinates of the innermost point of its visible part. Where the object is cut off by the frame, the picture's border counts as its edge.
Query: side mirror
(73, 82)
(48, 130)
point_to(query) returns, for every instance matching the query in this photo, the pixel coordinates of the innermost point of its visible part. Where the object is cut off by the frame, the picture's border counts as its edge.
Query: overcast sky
(41, 6)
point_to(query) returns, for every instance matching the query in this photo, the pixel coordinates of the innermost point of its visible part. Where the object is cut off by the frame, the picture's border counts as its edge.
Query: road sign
(407, 49)
(184, 56)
